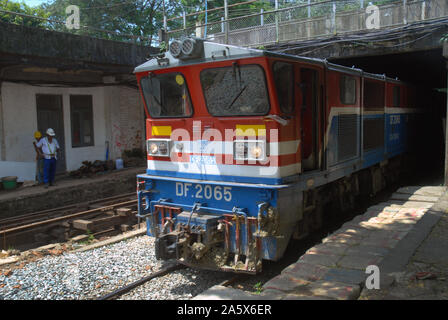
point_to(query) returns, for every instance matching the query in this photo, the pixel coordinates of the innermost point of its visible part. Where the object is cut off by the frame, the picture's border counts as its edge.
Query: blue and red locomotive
(247, 147)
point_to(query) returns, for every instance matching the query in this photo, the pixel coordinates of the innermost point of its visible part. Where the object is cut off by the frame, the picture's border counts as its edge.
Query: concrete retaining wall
(67, 192)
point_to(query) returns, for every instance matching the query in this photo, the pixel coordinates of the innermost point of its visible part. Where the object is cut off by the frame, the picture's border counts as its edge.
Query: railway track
(29, 218)
(168, 269)
(59, 224)
(117, 293)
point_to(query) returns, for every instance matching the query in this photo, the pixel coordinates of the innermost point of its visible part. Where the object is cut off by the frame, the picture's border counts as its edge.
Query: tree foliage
(140, 18)
(23, 9)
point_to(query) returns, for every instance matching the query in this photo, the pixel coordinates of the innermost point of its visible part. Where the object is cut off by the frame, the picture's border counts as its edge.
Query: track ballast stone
(94, 273)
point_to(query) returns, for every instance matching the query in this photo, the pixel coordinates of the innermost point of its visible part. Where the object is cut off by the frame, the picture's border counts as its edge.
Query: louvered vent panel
(347, 136)
(373, 133)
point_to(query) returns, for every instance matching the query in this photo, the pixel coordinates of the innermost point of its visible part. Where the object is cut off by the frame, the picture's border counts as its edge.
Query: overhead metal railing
(305, 21)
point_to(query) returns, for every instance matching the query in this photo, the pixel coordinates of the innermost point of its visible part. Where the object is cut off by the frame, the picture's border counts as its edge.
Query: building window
(373, 95)
(348, 89)
(81, 115)
(284, 83)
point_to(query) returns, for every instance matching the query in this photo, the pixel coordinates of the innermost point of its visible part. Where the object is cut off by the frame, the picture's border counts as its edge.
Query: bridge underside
(413, 53)
(415, 57)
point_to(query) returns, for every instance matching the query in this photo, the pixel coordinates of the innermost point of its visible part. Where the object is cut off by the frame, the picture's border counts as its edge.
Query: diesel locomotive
(247, 148)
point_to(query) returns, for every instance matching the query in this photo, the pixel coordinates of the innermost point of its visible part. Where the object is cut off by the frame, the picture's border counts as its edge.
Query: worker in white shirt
(50, 147)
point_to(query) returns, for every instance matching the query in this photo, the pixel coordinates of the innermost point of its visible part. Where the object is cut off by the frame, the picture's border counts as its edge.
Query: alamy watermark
(73, 20)
(373, 18)
(373, 280)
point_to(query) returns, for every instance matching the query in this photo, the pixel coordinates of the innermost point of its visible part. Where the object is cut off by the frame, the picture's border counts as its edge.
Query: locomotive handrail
(219, 211)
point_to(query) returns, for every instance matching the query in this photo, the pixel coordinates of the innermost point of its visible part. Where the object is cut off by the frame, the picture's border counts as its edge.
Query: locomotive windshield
(235, 91)
(166, 95)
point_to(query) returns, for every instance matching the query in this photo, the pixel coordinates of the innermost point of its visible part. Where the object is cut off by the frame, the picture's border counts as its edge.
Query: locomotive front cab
(222, 145)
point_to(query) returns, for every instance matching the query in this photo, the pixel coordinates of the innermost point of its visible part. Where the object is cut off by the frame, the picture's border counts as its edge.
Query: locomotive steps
(386, 236)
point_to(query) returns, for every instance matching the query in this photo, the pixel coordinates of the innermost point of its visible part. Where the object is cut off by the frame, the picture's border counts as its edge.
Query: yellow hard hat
(37, 135)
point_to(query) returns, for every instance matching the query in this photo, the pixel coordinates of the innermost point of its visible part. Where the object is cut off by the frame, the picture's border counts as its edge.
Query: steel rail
(137, 283)
(232, 280)
(49, 212)
(66, 217)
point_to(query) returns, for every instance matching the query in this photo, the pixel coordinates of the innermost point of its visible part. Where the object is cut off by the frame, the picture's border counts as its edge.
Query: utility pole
(276, 22)
(205, 27)
(164, 16)
(226, 16)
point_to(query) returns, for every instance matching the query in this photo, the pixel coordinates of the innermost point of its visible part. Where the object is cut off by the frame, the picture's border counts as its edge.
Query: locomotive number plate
(200, 191)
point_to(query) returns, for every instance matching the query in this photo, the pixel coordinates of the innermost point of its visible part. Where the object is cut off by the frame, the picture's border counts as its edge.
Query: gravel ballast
(94, 273)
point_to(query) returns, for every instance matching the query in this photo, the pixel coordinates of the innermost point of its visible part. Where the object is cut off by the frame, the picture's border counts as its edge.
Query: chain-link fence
(305, 19)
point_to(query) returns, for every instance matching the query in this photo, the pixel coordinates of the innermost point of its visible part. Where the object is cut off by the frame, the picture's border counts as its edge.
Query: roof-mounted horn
(188, 48)
(176, 48)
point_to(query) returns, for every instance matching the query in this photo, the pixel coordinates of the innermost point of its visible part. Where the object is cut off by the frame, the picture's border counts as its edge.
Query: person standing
(39, 158)
(50, 148)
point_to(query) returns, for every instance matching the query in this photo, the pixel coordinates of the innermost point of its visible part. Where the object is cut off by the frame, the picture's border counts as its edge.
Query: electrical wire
(112, 6)
(376, 37)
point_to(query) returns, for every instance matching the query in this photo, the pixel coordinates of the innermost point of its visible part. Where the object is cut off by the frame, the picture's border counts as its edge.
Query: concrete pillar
(445, 54)
(405, 12)
(423, 17)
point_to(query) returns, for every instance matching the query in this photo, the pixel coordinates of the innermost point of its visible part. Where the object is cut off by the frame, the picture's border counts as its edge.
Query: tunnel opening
(426, 70)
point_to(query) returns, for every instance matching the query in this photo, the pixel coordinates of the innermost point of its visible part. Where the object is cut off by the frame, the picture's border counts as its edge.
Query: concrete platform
(387, 235)
(68, 191)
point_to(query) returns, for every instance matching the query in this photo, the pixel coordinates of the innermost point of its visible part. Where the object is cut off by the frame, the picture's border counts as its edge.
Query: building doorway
(50, 115)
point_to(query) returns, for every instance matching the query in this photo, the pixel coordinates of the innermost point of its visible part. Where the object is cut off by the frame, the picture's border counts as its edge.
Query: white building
(81, 87)
(103, 117)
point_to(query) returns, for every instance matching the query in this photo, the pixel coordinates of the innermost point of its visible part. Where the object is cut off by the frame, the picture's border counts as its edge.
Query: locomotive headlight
(179, 147)
(153, 148)
(250, 150)
(163, 148)
(240, 150)
(256, 151)
(158, 148)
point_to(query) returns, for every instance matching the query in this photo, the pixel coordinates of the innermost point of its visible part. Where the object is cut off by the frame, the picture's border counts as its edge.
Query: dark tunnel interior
(427, 71)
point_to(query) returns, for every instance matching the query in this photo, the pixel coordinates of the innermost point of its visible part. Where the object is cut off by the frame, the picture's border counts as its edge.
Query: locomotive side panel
(401, 117)
(374, 99)
(343, 118)
(248, 148)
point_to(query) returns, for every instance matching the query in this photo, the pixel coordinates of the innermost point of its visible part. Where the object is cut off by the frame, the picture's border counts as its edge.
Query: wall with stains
(126, 120)
(118, 118)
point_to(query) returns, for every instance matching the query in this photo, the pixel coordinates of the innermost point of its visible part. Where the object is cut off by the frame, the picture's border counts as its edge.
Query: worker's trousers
(49, 170)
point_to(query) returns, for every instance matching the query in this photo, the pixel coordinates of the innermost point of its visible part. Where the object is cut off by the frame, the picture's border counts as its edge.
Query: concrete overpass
(44, 56)
(312, 20)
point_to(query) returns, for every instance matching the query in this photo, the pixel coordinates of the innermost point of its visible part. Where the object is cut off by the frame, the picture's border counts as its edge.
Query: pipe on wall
(2, 129)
